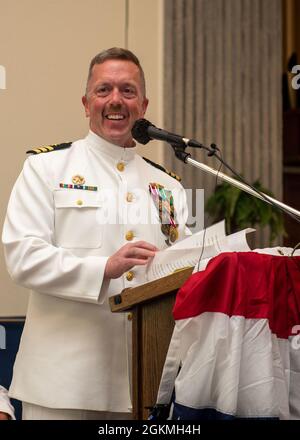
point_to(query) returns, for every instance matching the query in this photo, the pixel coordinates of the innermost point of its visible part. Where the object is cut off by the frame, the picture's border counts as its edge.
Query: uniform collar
(100, 145)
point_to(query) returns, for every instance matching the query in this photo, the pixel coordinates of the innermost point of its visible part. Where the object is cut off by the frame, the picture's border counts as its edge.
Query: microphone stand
(185, 157)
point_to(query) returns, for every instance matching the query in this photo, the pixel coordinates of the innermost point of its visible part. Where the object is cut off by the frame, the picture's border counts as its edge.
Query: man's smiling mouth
(115, 117)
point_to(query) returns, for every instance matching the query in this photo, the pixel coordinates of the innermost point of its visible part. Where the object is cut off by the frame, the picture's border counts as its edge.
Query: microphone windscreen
(140, 131)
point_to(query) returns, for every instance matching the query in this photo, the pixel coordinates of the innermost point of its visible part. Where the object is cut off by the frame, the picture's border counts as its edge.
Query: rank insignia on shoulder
(48, 148)
(160, 167)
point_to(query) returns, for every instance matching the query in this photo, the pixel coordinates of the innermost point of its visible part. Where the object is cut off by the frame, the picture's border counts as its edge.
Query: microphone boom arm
(186, 158)
(144, 131)
(242, 186)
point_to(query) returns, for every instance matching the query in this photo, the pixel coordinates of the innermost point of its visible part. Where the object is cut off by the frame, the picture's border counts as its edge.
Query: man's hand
(4, 416)
(132, 254)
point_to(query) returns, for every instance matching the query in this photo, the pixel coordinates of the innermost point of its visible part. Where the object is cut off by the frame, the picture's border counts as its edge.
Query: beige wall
(145, 38)
(45, 48)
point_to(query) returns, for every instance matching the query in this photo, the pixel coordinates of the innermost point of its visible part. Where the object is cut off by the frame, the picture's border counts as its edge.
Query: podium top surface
(132, 297)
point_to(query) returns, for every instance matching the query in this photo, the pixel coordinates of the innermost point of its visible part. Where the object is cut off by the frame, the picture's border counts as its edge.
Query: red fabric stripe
(246, 284)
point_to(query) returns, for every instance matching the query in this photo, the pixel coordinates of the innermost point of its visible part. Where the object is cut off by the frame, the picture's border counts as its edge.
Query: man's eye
(103, 90)
(129, 91)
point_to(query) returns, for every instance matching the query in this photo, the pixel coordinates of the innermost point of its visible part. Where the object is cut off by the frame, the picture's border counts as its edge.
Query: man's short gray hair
(117, 53)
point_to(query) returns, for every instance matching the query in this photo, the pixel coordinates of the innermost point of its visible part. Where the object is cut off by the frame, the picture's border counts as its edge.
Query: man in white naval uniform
(79, 229)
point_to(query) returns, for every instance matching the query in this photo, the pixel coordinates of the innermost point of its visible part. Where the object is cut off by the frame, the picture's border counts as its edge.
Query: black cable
(296, 247)
(204, 234)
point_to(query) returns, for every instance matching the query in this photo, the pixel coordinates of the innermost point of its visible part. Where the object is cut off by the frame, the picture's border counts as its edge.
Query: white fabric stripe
(293, 374)
(170, 370)
(36, 412)
(236, 366)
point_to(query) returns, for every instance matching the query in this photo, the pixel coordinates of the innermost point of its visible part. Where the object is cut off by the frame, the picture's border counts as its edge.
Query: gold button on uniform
(129, 235)
(129, 276)
(79, 202)
(130, 316)
(129, 197)
(120, 166)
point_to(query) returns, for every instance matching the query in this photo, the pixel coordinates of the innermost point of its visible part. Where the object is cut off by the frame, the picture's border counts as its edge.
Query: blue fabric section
(8, 351)
(181, 412)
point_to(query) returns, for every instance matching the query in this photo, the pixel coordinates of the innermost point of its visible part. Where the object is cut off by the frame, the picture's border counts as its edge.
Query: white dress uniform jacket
(73, 351)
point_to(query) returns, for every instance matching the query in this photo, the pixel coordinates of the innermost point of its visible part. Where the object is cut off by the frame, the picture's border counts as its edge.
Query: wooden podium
(150, 306)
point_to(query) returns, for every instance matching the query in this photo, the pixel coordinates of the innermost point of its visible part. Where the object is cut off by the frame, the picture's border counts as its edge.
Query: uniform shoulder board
(156, 165)
(47, 148)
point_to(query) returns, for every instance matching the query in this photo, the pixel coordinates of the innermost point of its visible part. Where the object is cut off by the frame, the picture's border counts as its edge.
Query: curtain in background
(222, 84)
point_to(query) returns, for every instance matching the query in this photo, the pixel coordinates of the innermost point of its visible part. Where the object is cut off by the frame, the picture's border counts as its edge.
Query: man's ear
(84, 101)
(145, 105)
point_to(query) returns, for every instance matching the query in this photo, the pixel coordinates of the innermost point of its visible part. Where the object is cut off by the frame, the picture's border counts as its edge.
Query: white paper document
(196, 251)
(168, 261)
(238, 241)
(213, 235)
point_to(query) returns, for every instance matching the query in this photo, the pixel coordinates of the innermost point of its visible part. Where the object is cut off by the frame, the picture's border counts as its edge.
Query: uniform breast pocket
(77, 219)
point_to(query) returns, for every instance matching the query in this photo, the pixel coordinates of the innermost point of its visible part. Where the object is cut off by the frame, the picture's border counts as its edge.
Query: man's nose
(116, 97)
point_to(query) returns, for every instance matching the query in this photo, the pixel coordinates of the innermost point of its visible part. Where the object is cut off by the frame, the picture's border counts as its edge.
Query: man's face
(115, 100)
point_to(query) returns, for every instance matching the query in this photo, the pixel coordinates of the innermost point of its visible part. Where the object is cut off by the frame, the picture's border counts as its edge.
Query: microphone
(144, 131)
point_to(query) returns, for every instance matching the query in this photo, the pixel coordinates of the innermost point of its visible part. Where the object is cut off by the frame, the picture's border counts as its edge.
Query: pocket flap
(76, 198)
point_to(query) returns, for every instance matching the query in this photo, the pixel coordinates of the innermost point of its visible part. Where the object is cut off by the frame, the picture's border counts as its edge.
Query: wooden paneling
(152, 328)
